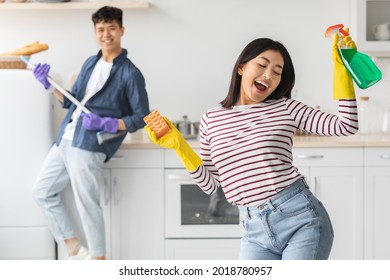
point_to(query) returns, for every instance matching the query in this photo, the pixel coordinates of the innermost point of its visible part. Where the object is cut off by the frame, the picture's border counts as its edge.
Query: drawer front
(137, 158)
(328, 157)
(377, 156)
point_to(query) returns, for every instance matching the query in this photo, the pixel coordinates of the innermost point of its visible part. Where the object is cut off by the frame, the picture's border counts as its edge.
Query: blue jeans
(64, 166)
(293, 225)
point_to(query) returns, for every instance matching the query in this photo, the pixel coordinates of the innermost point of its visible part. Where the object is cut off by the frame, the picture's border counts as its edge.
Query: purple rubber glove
(41, 71)
(94, 122)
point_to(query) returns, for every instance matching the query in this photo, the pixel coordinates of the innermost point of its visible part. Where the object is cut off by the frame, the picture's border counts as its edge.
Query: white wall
(186, 49)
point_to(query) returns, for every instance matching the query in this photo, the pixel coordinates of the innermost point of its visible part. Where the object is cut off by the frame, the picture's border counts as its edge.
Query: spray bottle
(360, 66)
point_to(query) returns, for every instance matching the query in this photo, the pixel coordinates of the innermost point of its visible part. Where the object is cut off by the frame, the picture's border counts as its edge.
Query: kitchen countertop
(299, 142)
(346, 141)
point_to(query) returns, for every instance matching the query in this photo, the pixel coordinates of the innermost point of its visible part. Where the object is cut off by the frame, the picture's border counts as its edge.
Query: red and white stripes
(246, 150)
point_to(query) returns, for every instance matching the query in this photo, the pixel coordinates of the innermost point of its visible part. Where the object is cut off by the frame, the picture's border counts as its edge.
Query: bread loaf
(34, 47)
(157, 123)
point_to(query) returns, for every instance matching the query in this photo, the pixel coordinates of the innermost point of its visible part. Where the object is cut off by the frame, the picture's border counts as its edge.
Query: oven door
(190, 213)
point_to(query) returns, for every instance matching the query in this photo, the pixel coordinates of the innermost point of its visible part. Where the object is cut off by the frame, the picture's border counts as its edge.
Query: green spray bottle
(360, 66)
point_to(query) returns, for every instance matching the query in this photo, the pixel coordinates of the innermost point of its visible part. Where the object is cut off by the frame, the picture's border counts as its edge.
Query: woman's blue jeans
(293, 225)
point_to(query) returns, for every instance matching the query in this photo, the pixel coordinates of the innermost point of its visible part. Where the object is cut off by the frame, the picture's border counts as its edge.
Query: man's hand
(94, 122)
(41, 71)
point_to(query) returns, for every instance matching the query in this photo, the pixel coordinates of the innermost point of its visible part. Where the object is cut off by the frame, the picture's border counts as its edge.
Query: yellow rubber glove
(342, 80)
(174, 140)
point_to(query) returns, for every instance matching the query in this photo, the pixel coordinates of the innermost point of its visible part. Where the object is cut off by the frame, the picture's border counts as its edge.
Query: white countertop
(299, 142)
(346, 141)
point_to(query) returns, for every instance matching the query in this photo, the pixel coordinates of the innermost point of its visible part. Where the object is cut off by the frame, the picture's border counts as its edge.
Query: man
(113, 88)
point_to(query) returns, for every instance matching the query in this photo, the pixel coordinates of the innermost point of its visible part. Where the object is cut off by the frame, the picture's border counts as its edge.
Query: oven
(190, 213)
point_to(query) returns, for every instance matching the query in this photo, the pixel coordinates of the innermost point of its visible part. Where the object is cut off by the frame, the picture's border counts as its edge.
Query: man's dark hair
(108, 14)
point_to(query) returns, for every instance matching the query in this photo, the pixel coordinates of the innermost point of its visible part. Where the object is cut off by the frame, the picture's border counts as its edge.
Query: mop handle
(59, 88)
(102, 136)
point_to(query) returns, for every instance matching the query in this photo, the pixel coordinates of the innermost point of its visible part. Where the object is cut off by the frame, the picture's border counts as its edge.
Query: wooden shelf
(72, 5)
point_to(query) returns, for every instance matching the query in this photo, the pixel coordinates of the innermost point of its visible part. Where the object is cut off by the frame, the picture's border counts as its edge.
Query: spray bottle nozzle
(337, 28)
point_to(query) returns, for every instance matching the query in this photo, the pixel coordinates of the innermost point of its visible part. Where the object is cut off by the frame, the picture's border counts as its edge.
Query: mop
(102, 136)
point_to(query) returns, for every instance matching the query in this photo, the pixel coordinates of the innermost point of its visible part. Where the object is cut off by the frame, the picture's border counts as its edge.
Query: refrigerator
(26, 117)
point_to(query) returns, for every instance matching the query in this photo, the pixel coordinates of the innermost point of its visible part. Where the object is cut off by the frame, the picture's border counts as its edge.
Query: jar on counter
(184, 126)
(386, 122)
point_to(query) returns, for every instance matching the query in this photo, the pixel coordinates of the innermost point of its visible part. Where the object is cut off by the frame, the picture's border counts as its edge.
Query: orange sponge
(157, 123)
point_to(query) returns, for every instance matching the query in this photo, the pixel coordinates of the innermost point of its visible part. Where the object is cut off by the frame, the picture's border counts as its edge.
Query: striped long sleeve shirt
(247, 150)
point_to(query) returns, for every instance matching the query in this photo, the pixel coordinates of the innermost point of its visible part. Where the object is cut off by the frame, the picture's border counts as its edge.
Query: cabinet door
(137, 219)
(377, 225)
(366, 15)
(341, 191)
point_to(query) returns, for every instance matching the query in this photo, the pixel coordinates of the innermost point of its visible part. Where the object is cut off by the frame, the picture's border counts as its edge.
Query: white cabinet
(137, 216)
(366, 14)
(377, 193)
(132, 201)
(133, 204)
(335, 176)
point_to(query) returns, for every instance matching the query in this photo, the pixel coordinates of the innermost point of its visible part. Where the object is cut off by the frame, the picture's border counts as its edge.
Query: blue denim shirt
(122, 96)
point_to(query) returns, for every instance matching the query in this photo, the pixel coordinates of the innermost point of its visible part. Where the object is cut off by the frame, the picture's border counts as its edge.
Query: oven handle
(174, 177)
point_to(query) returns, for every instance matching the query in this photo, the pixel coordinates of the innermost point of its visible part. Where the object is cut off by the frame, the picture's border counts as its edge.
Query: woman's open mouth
(261, 85)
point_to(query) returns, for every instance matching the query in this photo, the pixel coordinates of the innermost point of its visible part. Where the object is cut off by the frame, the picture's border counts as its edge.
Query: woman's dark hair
(108, 14)
(252, 50)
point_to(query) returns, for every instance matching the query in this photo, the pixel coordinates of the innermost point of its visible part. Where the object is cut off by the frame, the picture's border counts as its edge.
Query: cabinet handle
(310, 156)
(172, 177)
(117, 191)
(384, 156)
(118, 158)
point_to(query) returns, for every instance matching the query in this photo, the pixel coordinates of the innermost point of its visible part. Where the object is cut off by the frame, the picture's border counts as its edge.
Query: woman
(246, 149)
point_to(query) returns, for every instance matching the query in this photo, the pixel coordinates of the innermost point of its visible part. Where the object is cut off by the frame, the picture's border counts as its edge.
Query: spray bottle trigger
(331, 30)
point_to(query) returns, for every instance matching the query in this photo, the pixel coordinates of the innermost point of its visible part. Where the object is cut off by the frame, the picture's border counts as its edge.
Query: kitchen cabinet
(366, 14)
(377, 193)
(72, 5)
(335, 176)
(137, 221)
(136, 204)
(132, 201)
